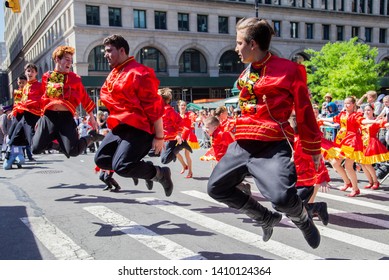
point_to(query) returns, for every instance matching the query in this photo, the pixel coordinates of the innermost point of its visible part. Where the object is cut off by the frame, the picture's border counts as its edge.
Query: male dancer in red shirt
(28, 110)
(63, 93)
(130, 94)
(270, 88)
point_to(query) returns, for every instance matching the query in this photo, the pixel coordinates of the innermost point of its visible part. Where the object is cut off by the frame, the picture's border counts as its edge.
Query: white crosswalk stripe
(160, 244)
(255, 240)
(64, 248)
(57, 242)
(325, 231)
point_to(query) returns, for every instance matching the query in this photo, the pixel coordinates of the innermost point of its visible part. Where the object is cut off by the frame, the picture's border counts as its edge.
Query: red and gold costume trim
(269, 90)
(374, 151)
(65, 89)
(189, 120)
(30, 100)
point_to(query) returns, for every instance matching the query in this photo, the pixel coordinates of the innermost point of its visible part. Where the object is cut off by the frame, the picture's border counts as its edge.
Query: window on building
(368, 35)
(309, 4)
(230, 63)
(291, 3)
(202, 23)
(362, 6)
(326, 32)
(160, 20)
(92, 15)
(223, 25)
(382, 38)
(338, 5)
(294, 32)
(152, 58)
(387, 8)
(354, 6)
(369, 6)
(267, 1)
(192, 61)
(324, 4)
(183, 22)
(382, 7)
(300, 3)
(309, 30)
(277, 28)
(97, 61)
(276, 2)
(355, 31)
(339, 32)
(139, 18)
(115, 16)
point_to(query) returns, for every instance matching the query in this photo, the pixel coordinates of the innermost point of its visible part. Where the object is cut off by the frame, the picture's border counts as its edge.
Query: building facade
(190, 44)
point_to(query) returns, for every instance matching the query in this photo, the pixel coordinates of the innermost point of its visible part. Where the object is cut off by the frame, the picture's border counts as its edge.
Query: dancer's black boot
(318, 209)
(308, 228)
(163, 177)
(264, 217)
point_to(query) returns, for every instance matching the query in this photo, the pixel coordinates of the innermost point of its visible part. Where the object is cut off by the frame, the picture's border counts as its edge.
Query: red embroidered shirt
(30, 100)
(130, 93)
(172, 123)
(269, 90)
(220, 141)
(65, 89)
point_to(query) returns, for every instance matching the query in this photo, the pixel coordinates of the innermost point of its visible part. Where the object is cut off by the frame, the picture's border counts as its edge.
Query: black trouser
(273, 172)
(122, 151)
(106, 177)
(172, 149)
(305, 193)
(60, 126)
(23, 129)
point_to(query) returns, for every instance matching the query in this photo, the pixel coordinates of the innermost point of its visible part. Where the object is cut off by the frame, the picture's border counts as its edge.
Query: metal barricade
(329, 132)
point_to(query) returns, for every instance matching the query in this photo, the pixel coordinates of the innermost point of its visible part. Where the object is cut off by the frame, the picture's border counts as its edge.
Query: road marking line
(346, 199)
(359, 217)
(354, 201)
(354, 240)
(158, 243)
(325, 231)
(343, 214)
(255, 240)
(57, 242)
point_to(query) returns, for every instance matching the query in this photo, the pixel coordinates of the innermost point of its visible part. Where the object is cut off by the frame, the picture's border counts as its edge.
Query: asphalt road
(55, 209)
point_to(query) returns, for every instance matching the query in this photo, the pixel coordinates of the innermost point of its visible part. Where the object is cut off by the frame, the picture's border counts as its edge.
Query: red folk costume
(30, 99)
(220, 140)
(374, 150)
(172, 123)
(305, 168)
(266, 100)
(328, 149)
(349, 138)
(17, 94)
(138, 109)
(228, 125)
(65, 89)
(188, 134)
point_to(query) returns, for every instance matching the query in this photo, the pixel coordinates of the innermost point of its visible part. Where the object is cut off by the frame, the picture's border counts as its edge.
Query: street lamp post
(256, 8)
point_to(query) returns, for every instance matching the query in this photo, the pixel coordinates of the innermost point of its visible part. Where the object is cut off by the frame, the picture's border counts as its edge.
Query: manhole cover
(49, 171)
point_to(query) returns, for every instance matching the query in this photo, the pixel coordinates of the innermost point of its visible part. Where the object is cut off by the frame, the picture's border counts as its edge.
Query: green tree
(342, 69)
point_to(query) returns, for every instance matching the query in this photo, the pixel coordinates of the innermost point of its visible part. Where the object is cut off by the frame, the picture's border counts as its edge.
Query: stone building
(189, 43)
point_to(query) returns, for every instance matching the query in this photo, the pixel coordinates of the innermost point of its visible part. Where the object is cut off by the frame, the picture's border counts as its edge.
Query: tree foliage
(342, 69)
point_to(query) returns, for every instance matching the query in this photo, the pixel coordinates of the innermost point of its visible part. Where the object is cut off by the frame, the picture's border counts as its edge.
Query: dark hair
(118, 42)
(31, 66)
(258, 30)
(22, 77)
